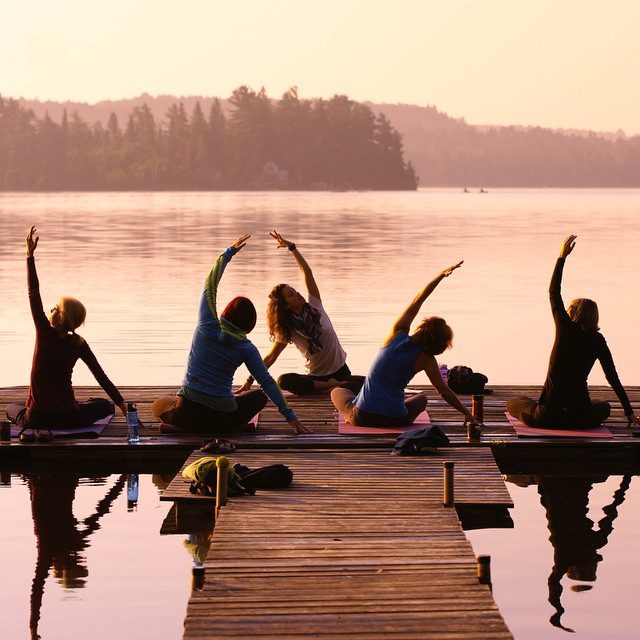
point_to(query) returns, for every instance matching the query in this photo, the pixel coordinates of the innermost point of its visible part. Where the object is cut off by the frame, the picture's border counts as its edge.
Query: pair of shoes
(36, 435)
(218, 445)
(25, 437)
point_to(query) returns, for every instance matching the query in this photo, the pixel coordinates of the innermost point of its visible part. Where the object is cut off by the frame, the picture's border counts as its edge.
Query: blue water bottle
(132, 491)
(132, 423)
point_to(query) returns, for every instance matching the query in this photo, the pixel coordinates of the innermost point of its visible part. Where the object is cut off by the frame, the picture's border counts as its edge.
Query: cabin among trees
(260, 143)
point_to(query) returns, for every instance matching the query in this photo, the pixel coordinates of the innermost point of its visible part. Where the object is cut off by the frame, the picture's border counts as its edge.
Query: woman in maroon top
(51, 402)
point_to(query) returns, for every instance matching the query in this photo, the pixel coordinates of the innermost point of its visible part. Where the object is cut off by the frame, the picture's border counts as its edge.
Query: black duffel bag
(465, 380)
(274, 476)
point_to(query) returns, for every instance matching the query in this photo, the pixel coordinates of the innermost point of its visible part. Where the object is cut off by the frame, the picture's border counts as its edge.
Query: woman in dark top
(565, 402)
(51, 401)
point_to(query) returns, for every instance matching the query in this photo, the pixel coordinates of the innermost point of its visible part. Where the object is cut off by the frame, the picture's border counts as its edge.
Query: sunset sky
(570, 63)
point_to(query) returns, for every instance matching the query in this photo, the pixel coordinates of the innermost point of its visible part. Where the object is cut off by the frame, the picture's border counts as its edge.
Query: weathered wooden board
(359, 547)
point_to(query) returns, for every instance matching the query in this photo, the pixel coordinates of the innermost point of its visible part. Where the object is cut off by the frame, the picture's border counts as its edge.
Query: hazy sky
(569, 63)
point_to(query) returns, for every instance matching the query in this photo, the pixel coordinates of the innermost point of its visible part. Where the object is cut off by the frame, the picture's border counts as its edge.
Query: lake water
(79, 561)
(138, 260)
(85, 563)
(574, 546)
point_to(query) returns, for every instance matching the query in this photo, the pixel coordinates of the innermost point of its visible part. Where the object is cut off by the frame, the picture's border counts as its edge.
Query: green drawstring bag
(203, 474)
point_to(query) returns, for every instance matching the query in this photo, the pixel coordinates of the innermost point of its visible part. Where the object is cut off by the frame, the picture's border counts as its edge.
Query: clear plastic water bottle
(132, 491)
(443, 371)
(132, 423)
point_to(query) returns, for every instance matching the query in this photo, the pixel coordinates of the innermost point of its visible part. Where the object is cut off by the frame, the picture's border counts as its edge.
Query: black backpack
(274, 476)
(464, 380)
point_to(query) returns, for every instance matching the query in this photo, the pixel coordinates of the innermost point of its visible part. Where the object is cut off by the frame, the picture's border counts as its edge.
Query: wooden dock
(359, 547)
(320, 416)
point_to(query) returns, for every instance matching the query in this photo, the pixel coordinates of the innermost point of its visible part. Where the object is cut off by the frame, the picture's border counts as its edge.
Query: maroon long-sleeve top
(54, 357)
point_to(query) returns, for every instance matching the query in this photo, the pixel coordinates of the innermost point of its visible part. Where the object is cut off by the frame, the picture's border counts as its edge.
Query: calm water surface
(574, 548)
(79, 561)
(138, 260)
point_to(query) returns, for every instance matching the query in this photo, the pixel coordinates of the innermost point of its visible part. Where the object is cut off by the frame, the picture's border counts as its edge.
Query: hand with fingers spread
(282, 243)
(298, 427)
(567, 246)
(241, 241)
(449, 270)
(32, 242)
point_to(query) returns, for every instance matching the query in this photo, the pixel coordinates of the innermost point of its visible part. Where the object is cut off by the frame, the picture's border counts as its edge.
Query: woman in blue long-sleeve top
(219, 346)
(564, 402)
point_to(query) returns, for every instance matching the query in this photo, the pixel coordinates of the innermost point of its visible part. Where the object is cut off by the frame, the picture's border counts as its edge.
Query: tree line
(455, 153)
(261, 143)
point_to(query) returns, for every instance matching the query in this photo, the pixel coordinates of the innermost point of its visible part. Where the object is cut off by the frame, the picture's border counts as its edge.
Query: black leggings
(85, 415)
(343, 401)
(532, 414)
(302, 385)
(193, 416)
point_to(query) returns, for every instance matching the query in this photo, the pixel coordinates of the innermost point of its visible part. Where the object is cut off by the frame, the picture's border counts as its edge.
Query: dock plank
(360, 546)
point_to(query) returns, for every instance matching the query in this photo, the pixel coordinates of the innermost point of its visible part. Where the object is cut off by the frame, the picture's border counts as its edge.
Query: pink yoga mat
(250, 427)
(346, 429)
(92, 431)
(523, 431)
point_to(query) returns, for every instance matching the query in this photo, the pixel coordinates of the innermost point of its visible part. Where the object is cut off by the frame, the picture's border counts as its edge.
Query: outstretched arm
(403, 323)
(87, 356)
(208, 306)
(309, 280)
(560, 314)
(609, 368)
(33, 285)
(431, 369)
(268, 360)
(268, 384)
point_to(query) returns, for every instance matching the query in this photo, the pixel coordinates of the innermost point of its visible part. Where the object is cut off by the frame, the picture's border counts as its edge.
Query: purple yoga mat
(92, 431)
(346, 429)
(250, 427)
(523, 431)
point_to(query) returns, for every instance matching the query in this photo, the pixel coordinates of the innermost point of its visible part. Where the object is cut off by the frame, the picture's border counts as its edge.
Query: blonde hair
(73, 313)
(584, 312)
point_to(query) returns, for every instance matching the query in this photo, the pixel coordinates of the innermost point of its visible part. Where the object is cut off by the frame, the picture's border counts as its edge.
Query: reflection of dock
(360, 546)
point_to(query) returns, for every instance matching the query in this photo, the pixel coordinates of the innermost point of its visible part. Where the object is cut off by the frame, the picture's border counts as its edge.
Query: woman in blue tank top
(381, 402)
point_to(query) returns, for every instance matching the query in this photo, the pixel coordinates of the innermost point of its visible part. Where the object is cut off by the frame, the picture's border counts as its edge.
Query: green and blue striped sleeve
(208, 308)
(268, 384)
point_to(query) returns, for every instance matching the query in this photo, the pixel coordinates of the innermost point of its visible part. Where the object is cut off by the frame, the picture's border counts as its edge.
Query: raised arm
(558, 310)
(35, 301)
(268, 360)
(403, 323)
(609, 368)
(309, 280)
(208, 306)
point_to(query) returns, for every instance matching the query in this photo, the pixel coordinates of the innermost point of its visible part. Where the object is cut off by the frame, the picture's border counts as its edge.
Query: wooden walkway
(359, 547)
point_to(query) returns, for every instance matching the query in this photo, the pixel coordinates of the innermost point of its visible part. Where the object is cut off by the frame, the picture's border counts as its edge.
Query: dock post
(197, 578)
(448, 496)
(222, 463)
(484, 570)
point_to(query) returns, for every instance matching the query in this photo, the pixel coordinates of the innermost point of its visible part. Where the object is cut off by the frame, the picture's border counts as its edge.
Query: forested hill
(445, 151)
(253, 143)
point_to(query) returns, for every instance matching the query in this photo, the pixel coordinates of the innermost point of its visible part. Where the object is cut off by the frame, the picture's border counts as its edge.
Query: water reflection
(575, 537)
(61, 538)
